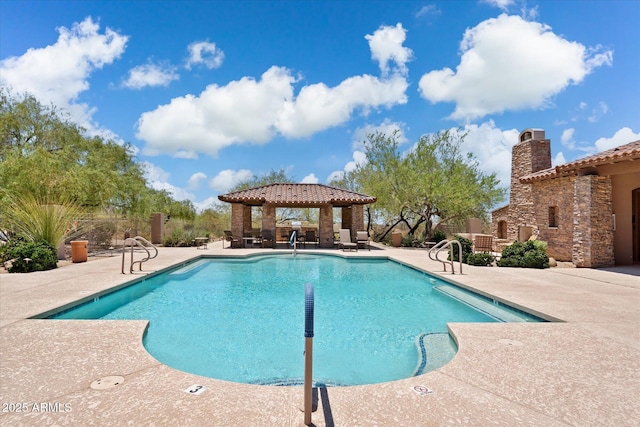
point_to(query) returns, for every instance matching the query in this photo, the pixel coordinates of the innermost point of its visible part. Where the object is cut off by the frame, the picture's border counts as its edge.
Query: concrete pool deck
(581, 371)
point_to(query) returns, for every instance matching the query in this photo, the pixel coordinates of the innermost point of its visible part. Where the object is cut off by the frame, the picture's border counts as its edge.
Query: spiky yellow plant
(41, 219)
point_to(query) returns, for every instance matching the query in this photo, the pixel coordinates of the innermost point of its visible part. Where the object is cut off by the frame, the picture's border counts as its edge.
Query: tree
(431, 182)
(47, 156)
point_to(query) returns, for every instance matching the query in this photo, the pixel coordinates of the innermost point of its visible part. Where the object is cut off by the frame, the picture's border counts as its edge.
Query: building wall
(623, 186)
(559, 194)
(326, 227)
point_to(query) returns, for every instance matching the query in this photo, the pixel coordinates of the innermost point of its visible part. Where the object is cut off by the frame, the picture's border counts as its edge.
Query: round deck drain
(107, 382)
(511, 343)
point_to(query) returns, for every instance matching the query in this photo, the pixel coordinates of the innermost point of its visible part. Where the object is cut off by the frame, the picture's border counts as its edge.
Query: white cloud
(491, 146)
(359, 159)
(430, 9)
(255, 111)
(209, 202)
(386, 46)
(621, 137)
(150, 75)
(228, 178)
(502, 4)
(60, 72)
(387, 127)
(196, 179)
(310, 179)
(567, 138)
(204, 53)
(158, 179)
(598, 112)
(508, 63)
(558, 159)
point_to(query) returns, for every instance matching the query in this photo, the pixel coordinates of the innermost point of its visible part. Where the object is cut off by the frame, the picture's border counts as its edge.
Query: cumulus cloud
(196, 179)
(204, 53)
(228, 178)
(310, 179)
(359, 159)
(387, 127)
(255, 111)
(621, 137)
(502, 4)
(386, 47)
(491, 146)
(508, 63)
(150, 75)
(60, 72)
(558, 159)
(158, 179)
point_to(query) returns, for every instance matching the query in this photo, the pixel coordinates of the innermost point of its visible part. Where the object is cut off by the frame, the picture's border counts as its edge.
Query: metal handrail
(441, 246)
(142, 243)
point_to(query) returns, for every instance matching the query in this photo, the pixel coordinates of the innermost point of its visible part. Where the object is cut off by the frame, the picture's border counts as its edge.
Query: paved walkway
(583, 370)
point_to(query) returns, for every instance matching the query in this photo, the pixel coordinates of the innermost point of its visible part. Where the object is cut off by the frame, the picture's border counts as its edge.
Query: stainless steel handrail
(441, 246)
(141, 242)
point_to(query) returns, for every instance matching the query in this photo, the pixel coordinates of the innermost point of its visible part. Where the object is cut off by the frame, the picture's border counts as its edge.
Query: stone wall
(326, 227)
(557, 193)
(593, 224)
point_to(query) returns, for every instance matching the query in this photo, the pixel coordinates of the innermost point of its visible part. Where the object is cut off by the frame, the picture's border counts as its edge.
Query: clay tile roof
(298, 195)
(622, 153)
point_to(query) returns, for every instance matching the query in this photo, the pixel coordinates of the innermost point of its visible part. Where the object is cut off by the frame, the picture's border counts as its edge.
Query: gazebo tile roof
(296, 194)
(625, 152)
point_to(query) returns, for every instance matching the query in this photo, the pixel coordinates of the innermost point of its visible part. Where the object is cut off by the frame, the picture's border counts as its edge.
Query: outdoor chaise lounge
(362, 238)
(345, 240)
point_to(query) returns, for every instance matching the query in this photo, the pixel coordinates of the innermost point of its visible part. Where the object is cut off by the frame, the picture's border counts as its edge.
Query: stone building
(588, 211)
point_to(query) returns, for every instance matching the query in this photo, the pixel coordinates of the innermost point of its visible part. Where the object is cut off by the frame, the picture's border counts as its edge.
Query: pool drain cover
(107, 382)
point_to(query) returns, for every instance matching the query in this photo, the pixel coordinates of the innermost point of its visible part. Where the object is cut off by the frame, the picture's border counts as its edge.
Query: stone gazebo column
(237, 220)
(326, 227)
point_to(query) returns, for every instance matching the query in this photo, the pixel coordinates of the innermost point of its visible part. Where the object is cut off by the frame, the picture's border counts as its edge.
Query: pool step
(187, 270)
(490, 309)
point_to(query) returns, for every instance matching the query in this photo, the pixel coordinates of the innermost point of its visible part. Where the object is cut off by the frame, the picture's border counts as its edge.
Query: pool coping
(509, 374)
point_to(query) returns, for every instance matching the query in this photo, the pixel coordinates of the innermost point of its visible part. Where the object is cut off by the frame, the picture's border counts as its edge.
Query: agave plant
(40, 219)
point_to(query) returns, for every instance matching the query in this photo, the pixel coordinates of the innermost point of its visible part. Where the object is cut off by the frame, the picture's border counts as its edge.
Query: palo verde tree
(434, 181)
(45, 155)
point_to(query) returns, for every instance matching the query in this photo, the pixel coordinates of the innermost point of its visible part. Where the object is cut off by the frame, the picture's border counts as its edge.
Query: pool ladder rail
(138, 242)
(446, 246)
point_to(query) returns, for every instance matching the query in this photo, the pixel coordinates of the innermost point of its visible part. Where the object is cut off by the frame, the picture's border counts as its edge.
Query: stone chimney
(531, 154)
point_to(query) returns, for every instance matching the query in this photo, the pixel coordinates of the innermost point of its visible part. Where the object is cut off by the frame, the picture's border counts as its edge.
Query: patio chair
(345, 240)
(482, 243)
(310, 237)
(362, 238)
(267, 239)
(233, 242)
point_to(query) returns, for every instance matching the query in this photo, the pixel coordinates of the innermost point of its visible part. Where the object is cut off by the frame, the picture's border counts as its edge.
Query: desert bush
(27, 255)
(525, 254)
(480, 259)
(467, 246)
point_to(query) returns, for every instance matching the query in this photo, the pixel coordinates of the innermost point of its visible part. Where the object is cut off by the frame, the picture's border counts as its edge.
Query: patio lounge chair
(362, 238)
(234, 243)
(345, 240)
(310, 237)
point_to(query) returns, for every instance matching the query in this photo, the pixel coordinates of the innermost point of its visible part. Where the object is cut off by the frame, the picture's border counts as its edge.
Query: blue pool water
(243, 320)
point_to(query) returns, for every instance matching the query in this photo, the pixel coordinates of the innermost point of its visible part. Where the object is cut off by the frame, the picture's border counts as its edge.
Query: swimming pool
(242, 320)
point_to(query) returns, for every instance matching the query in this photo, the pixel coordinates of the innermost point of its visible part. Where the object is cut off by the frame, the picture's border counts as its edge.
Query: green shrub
(181, 238)
(529, 254)
(480, 259)
(28, 256)
(437, 236)
(466, 248)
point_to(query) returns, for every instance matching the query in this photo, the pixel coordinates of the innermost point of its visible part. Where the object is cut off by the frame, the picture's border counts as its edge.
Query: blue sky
(212, 92)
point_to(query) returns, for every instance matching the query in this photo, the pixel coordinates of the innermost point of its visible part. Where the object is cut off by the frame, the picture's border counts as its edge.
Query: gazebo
(278, 195)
